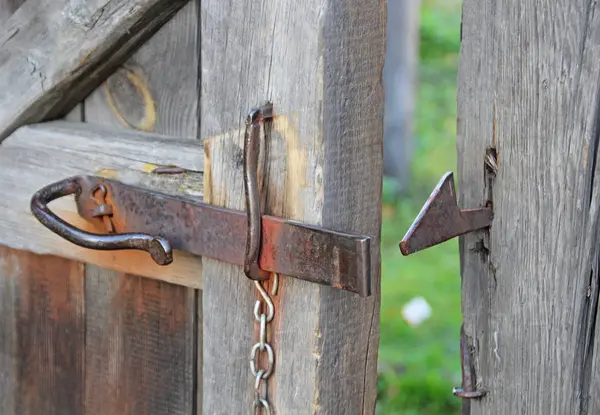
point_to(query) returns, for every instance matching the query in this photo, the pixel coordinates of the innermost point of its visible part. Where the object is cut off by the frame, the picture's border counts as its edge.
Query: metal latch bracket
(158, 223)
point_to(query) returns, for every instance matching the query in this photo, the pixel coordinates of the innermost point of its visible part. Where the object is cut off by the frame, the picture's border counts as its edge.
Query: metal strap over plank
(144, 218)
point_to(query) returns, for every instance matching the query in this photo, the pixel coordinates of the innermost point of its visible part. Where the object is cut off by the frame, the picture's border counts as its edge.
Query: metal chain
(264, 310)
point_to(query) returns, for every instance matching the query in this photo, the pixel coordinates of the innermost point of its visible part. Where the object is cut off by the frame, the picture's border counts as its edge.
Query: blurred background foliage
(419, 366)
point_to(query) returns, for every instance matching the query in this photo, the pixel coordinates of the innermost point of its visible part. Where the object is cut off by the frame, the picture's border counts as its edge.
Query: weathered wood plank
(8, 334)
(139, 344)
(8, 319)
(40, 154)
(42, 334)
(75, 115)
(55, 52)
(528, 91)
(156, 90)
(8, 7)
(320, 63)
(41, 326)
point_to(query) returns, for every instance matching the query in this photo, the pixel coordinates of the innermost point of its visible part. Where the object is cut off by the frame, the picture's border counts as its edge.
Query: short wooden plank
(528, 92)
(320, 63)
(37, 155)
(155, 90)
(139, 345)
(55, 52)
(42, 334)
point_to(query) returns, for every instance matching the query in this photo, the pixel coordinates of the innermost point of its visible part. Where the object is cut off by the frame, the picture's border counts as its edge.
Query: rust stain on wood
(108, 173)
(145, 326)
(296, 164)
(208, 170)
(48, 309)
(145, 298)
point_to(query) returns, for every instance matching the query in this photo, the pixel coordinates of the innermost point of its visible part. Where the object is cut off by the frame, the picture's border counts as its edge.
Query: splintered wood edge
(37, 155)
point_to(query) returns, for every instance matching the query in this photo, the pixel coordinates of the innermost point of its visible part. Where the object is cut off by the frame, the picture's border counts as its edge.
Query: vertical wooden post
(528, 96)
(146, 327)
(320, 63)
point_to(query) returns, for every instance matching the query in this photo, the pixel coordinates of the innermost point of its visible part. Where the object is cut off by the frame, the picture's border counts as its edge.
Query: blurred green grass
(419, 366)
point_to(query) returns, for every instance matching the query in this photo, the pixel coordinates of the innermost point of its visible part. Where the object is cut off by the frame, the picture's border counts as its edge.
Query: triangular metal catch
(441, 219)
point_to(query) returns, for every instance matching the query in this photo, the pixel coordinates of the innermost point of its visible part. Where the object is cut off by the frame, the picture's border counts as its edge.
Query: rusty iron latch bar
(157, 223)
(441, 219)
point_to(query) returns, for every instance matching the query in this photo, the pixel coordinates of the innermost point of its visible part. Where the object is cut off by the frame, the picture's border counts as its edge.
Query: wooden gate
(110, 332)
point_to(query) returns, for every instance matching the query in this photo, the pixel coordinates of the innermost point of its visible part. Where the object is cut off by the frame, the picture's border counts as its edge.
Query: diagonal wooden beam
(55, 52)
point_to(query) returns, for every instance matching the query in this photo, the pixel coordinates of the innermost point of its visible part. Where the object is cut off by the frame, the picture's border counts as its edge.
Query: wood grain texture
(320, 63)
(8, 318)
(75, 115)
(55, 52)
(8, 7)
(41, 326)
(528, 90)
(155, 90)
(40, 154)
(139, 345)
(42, 333)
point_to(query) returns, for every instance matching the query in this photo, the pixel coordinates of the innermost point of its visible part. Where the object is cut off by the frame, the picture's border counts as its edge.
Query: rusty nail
(98, 188)
(169, 170)
(441, 219)
(102, 210)
(108, 224)
(469, 388)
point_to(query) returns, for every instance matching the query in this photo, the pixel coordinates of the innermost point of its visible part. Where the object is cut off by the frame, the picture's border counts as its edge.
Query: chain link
(264, 310)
